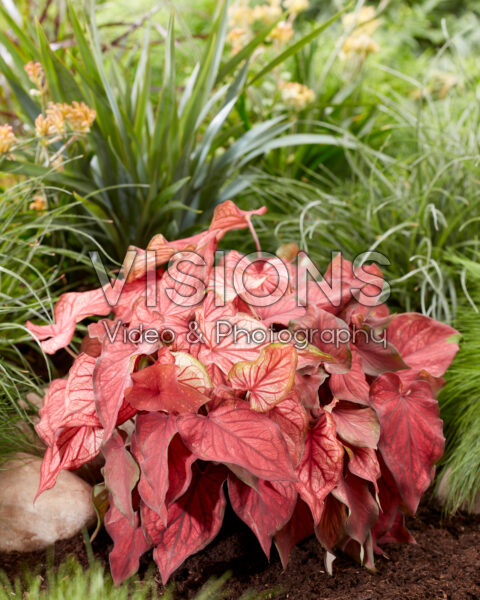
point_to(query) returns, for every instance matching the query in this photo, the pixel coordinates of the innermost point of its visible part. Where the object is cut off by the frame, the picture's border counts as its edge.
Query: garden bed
(444, 564)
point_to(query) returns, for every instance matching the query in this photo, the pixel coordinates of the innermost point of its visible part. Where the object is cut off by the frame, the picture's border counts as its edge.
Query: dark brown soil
(443, 565)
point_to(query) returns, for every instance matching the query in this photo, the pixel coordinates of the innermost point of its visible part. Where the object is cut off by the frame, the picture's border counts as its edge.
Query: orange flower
(39, 202)
(283, 32)
(43, 126)
(35, 73)
(296, 95)
(80, 116)
(56, 114)
(7, 138)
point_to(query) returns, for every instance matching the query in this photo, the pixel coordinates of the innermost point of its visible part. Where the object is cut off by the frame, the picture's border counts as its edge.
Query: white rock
(57, 514)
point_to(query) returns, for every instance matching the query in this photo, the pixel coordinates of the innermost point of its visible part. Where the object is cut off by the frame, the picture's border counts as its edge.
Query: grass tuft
(460, 403)
(72, 582)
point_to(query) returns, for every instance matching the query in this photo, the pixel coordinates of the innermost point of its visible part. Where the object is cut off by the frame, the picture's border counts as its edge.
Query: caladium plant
(317, 419)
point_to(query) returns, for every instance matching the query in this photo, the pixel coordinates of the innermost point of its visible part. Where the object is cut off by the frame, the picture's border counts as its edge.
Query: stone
(442, 495)
(57, 514)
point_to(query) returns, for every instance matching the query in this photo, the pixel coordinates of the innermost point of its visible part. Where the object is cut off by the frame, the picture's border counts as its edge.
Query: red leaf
(191, 372)
(390, 502)
(51, 413)
(357, 426)
(423, 342)
(71, 449)
(228, 216)
(411, 440)
(341, 285)
(362, 554)
(150, 444)
(363, 462)
(362, 507)
(180, 461)
(69, 310)
(121, 474)
(307, 384)
(265, 510)
(353, 385)
(397, 533)
(377, 357)
(229, 340)
(193, 521)
(297, 529)
(321, 466)
(129, 543)
(267, 379)
(79, 396)
(238, 436)
(282, 311)
(330, 335)
(111, 378)
(331, 529)
(157, 388)
(292, 419)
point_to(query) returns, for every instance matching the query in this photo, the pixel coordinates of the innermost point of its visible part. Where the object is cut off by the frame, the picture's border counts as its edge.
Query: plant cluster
(337, 436)
(152, 161)
(35, 265)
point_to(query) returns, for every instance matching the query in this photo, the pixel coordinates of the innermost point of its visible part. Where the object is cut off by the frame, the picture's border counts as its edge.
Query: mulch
(444, 564)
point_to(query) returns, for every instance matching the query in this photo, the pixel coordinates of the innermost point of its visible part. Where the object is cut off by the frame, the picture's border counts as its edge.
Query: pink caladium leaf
(230, 340)
(79, 395)
(72, 308)
(330, 335)
(356, 425)
(362, 506)
(72, 448)
(411, 439)
(238, 436)
(121, 474)
(353, 385)
(191, 372)
(261, 282)
(180, 462)
(398, 533)
(411, 375)
(267, 379)
(138, 262)
(390, 503)
(52, 411)
(308, 383)
(157, 388)
(111, 378)
(342, 285)
(281, 311)
(363, 462)
(292, 419)
(377, 354)
(228, 216)
(193, 520)
(266, 510)
(332, 527)
(299, 527)
(150, 444)
(321, 465)
(424, 344)
(363, 554)
(129, 543)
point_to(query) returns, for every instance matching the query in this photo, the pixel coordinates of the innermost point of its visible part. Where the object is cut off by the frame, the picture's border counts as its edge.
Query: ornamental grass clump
(317, 417)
